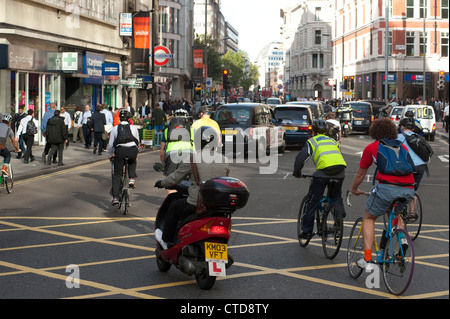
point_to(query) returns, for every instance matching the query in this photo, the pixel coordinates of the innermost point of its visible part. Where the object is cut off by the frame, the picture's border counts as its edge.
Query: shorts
(382, 196)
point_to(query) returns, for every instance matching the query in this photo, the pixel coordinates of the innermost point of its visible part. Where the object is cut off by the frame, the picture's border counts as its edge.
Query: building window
(444, 9)
(318, 14)
(444, 44)
(422, 5)
(410, 43)
(314, 61)
(317, 61)
(423, 49)
(390, 43)
(318, 37)
(410, 8)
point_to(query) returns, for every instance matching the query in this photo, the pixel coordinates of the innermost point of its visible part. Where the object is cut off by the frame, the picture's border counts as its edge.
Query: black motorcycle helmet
(124, 115)
(407, 122)
(319, 126)
(409, 114)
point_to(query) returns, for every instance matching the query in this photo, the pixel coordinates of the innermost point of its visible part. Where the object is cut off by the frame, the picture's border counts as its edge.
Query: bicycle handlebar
(347, 197)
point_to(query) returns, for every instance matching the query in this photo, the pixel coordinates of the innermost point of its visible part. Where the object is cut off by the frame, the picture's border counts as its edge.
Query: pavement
(76, 155)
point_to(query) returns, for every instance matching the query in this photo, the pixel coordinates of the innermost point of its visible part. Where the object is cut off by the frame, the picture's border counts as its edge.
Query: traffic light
(346, 83)
(334, 87)
(352, 83)
(225, 79)
(441, 83)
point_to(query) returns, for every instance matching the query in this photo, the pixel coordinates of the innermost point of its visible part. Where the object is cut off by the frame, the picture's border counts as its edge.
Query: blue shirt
(416, 159)
(47, 115)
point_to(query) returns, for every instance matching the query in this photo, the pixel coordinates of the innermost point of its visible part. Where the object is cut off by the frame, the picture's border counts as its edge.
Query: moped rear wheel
(205, 281)
(163, 265)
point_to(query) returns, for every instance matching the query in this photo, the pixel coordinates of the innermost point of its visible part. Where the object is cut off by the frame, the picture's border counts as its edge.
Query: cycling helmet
(181, 113)
(407, 122)
(124, 115)
(409, 114)
(6, 118)
(319, 126)
(205, 109)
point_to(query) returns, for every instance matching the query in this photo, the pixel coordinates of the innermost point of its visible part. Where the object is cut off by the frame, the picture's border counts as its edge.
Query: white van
(427, 118)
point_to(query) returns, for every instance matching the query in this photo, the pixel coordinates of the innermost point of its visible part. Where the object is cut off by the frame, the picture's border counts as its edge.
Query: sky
(257, 21)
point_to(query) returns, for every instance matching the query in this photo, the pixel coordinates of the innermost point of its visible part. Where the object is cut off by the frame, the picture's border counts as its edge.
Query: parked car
(297, 121)
(395, 114)
(426, 116)
(316, 108)
(362, 115)
(273, 101)
(250, 126)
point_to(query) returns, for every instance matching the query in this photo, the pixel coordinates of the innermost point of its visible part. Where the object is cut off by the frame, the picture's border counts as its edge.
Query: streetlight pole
(386, 71)
(424, 50)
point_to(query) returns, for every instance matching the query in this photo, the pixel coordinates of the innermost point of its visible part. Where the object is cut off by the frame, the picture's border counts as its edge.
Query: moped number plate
(216, 252)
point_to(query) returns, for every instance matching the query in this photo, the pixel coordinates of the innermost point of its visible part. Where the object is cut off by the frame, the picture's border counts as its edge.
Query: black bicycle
(124, 191)
(329, 222)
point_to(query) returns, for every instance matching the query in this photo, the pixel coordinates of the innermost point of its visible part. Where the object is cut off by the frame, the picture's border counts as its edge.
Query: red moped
(200, 247)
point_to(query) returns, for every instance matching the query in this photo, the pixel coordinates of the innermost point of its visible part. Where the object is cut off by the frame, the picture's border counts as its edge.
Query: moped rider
(210, 164)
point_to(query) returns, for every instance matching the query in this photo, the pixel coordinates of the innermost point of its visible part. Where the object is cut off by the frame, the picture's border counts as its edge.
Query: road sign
(162, 55)
(208, 82)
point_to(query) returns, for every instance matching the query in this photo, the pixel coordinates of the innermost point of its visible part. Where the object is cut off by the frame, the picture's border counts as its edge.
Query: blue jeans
(7, 155)
(316, 190)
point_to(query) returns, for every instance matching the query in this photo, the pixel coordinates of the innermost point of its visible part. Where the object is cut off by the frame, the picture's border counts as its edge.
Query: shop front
(28, 81)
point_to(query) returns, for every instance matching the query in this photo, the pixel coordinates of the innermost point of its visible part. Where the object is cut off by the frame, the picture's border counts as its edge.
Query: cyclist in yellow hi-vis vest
(330, 164)
(176, 143)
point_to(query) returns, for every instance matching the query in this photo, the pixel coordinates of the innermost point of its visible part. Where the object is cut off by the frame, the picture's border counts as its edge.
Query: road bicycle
(329, 222)
(7, 181)
(124, 191)
(412, 217)
(394, 255)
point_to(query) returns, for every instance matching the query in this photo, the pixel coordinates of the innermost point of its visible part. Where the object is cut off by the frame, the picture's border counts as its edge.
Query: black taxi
(249, 127)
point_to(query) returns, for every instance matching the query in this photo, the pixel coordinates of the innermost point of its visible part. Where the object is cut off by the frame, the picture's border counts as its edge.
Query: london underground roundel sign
(162, 55)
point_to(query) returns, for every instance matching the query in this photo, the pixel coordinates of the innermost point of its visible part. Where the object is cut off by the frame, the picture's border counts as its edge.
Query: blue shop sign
(416, 77)
(93, 63)
(110, 69)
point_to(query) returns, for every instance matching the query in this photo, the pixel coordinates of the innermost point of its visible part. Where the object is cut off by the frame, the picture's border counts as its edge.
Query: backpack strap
(195, 170)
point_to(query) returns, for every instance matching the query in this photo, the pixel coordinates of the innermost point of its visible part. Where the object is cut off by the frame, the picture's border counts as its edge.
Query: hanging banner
(140, 50)
(198, 58)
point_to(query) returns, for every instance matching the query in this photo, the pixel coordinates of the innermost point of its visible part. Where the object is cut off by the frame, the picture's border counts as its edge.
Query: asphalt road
(61, 225)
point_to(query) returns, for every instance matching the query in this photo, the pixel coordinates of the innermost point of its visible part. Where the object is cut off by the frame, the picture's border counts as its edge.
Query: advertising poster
(140, 50)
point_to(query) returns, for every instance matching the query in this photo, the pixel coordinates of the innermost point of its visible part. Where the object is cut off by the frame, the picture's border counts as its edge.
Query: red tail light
(210, 228)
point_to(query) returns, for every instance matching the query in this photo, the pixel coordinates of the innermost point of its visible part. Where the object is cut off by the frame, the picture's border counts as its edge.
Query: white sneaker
(158, 236)
(363, 264)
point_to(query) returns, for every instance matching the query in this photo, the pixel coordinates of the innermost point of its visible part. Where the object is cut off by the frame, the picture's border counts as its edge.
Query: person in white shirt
(446, 117)
(27, 138)
(84, 120)
(67, 121)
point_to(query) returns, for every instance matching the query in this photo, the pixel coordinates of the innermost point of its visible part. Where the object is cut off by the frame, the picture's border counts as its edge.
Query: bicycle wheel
(355, 249)
(398, 262)
(124, 201)
(9, 180)
(332, 231)
(413, 220)
(302, 241)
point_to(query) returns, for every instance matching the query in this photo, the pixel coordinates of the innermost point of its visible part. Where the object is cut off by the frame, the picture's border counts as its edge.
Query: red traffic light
(441, 73)
(225, 72)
